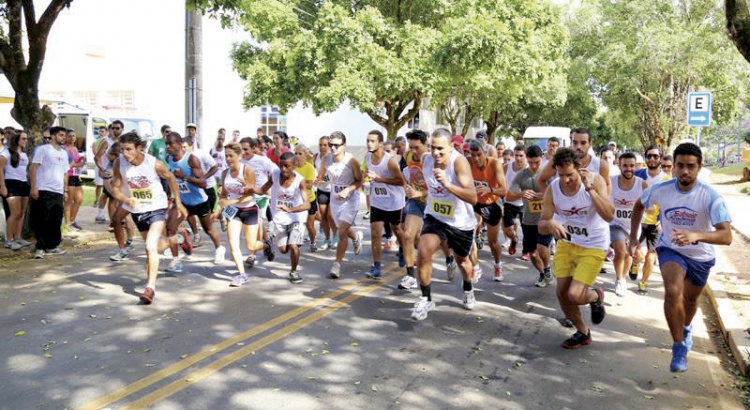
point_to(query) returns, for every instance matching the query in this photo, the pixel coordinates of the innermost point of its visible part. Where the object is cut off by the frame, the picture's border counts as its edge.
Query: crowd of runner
(424, 193)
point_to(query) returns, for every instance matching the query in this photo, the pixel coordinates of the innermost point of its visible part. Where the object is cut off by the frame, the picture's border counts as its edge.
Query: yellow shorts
(582, 264)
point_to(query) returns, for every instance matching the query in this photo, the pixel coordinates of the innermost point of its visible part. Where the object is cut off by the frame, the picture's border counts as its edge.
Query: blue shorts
(696, 271)
(414, 207)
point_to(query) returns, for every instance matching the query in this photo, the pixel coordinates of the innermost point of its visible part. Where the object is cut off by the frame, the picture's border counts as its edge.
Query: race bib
(442, 208)
(288, 204)
(142, 195)
(229, 212)
(574, 230)
(535, 207)
(184, 189)
(479, 184)
(380, 191)
(623, 213)
(76, 171)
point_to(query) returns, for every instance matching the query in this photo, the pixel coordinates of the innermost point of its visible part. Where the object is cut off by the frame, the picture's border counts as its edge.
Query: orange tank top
(486, 177)
(414, 169)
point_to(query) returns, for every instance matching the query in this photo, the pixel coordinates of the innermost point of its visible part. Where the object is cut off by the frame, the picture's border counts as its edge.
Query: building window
(121, 98)
(88, 98)
(271, 120)
(413, 124)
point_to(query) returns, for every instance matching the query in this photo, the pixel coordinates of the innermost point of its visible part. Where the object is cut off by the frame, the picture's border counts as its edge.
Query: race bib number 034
(577, 230)
(442, 208)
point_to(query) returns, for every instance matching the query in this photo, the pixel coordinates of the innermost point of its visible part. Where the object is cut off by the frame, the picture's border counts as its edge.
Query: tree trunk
(468, 118)
(738, 25)
(395, 117)
(493, 124)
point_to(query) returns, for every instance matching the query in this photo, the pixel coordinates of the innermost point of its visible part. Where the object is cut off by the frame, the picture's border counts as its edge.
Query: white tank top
(326, 185)
(235, 187)
(142, 183)
(17, 173)
(291, 197)
(443, 205)
(105, 155)
(341, 176)
(579, 217)
(383, 196)
(593, 165)
(509, 175)
(624, 201)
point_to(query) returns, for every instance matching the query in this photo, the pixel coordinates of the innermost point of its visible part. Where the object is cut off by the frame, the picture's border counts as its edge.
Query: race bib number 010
(535, 207)
(380, 191)
(442, 208)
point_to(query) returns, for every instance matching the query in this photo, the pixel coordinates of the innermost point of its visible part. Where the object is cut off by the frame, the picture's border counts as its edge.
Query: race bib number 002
(535, 207)
(442, 208)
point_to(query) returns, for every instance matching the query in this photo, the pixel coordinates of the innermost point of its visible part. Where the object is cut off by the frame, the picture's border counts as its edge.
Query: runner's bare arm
(604, 172)
(502, 190)
(465, 191)
(548, 172)
(721, 236)
(398, 177)
(99, 154)
(601, 198)
(358, 177)
(197, 179)
(547, 225)
(164, 173)
(116, 184)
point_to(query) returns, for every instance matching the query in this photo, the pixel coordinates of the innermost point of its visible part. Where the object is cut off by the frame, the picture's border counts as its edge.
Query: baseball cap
(457, 141)
(612, 143)
(191, 125)
(467, 146)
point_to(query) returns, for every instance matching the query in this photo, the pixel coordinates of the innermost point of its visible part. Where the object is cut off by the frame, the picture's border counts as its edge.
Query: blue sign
(699, 109)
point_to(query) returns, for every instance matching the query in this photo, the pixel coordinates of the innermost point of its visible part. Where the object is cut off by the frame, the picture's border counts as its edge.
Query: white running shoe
(469, 299)
(542, 282)
(219, 255)
(335, 270)
(499, 273)
(408, 282)
(477, 275)
(620, 287)
(421, 308)
(358, 242)
(120, 256)
(451, 270)
(326, 244)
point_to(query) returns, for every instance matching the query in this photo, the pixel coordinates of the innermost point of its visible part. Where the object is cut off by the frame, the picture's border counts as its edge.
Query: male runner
(512, 208)
(449, 217)
(581, 207)
(694, 217)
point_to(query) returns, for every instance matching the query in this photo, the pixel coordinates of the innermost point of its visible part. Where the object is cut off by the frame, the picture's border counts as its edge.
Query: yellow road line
(162, 374)
(199, 374)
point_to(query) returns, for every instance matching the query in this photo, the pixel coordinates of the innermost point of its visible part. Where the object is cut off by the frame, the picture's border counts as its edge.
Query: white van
(539, 135)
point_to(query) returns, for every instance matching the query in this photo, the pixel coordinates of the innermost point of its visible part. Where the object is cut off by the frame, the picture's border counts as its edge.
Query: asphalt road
(74, 336)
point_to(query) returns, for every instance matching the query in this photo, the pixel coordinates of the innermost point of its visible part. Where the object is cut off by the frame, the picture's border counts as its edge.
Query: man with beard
(580, 142)
(694, 217)
(626, 190)
(652, 174)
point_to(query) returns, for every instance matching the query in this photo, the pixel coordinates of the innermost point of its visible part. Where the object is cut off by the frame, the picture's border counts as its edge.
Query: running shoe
(387, 245)
(75, 225)
(642, 288)
(223, 222)
(183, 238)
(336, 270)
(335, 242)
(633, 273)
(499, 273)
(421, 308)
(620, 287)
(374, 273)
(16, 245)
(679, 357)
(469, 300)
(542, 282)
(147, 297)
(548, 276)
(8, 244)
(366, 215)
(294, 277)
(408, 282)
(238, 280)
(525, 257)
(197, 240)
(39, 254)
(219, 255)
(326, 245)
(512, 248)
(250, 261)
(358, 242)
(268, 251)
(23, 242)
(479, 242)
(451, 270)
(55, 251)
(175, 266)
(577, 340)
(687, 333)
(566, 322)
(100, 220)
(129, 245)
(597, 308)
(120, 256)
(313, 247)
(477, 275)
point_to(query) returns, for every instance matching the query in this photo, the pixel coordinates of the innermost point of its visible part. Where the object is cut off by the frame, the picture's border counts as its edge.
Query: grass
(89, 192)
(731, 170)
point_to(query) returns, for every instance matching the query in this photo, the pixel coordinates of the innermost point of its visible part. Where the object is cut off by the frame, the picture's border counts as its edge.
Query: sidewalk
(729, 283)
(91, 232)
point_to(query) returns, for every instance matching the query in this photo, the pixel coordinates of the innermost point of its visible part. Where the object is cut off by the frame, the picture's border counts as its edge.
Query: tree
(738, 25)
(388, 57)
(648, 55)
(23, 74)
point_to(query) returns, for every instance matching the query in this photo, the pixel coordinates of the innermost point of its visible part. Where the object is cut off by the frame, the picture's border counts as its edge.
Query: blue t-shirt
(697, 210)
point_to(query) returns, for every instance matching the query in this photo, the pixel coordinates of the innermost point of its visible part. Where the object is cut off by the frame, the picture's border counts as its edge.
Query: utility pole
(194, 71)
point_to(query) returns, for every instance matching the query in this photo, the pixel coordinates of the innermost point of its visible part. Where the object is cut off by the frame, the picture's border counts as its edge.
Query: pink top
(73, 157)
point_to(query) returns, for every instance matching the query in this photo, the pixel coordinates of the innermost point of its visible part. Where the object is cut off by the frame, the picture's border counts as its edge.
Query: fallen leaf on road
(82, 298)
(597, 388)
(647, 397)
(355, 344)
(183, 356)
(20, 333)
(92, 316)
(150, 364)
(518, 364)
(374, 388)
(507, 393)
(357, 383)
(47, 355)
(324, 352)
(485, 378)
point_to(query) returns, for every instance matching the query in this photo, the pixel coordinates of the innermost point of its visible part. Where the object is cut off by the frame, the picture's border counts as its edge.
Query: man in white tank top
(449, 216)
(581, 207)
(626, 190)
(512, 210)
(386, 195)
(580, 142)
(137, 185)
(346, 179)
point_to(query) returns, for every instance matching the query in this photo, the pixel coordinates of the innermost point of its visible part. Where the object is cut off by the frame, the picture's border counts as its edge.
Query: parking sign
(699, 109)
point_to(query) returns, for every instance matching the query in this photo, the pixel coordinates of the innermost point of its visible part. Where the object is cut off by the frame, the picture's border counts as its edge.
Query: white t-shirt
(697, 210)
(53, 165)
(17, 173)
(207, 162)
(262, 167)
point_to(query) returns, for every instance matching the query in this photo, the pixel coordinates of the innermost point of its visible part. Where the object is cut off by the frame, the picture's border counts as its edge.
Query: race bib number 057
(442, 208)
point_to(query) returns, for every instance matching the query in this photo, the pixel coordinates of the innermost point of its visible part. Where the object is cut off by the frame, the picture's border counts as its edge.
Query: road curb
(731, 327)
(76, 239)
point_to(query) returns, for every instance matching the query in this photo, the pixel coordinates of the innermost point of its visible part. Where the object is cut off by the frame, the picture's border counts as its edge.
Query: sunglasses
(47, 138)
(653, 155)
(331, 145)
(116, 128)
